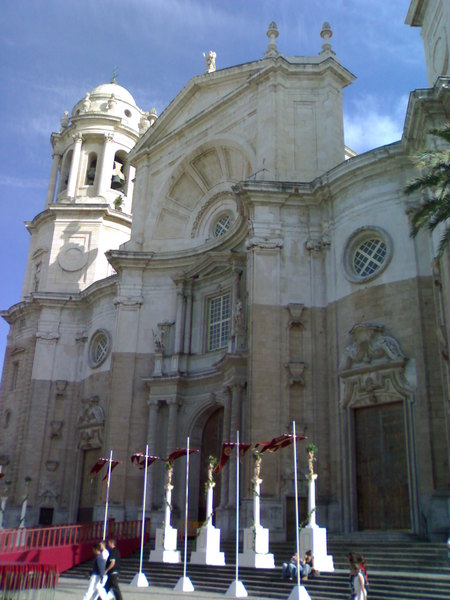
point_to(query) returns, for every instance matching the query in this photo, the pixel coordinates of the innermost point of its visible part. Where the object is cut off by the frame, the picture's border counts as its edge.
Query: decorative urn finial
(272, 34)
(326, 34)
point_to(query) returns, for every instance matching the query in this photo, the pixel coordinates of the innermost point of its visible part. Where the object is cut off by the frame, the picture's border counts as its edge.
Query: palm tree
(435, 180)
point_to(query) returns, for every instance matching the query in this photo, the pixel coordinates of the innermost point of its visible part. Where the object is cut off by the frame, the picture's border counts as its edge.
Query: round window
(222, 225)
(367, 254)
(127, 113)
(99, 348)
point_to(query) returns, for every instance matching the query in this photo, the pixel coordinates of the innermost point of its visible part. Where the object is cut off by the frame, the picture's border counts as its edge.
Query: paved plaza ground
(71, 588)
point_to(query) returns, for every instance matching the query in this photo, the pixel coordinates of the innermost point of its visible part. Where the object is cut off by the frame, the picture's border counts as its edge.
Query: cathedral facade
(231, 266)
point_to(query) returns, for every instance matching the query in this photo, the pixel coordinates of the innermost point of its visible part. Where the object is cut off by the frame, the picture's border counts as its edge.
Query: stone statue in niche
(161, 335)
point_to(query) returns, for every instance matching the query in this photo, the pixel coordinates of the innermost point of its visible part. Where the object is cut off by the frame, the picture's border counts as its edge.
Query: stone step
(387, 581)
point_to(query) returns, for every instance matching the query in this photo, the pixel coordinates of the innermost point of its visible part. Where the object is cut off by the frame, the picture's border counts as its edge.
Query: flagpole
(184, 584)
(237, 506)
(186, 508)
(297, 537)
(237, 588)
(140, 580)
(299, 592)
(107, 495)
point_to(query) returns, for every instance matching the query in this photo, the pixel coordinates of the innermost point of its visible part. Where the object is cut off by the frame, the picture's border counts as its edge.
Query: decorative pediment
(213, 265)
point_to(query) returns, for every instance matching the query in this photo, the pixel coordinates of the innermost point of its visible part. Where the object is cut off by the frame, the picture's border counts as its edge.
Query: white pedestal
(139, 580)
(165, 546)
(184, 584)
(207, 549)
(256, 549)
(236, 590)
(315, 539)
(299, 592)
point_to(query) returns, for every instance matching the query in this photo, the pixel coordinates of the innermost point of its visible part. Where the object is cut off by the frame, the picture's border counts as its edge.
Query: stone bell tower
(89, 199)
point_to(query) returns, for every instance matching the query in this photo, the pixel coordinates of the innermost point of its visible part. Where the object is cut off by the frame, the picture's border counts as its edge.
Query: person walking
(357, 582)
(112, 570)
(95, 587)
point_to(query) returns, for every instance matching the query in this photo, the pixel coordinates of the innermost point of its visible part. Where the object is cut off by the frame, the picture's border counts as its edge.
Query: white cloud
(369, 125)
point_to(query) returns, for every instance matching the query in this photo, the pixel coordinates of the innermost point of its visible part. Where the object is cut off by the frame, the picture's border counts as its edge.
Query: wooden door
(381, 467)
(89, 485)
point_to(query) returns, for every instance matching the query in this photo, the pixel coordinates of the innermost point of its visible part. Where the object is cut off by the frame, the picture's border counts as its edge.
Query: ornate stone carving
(318, 244)
(91, 423)
(128, 301)
(56, 429)
(92, 413)
(370, 345)
(295, 314)
(296, 370)
(372, 368)
(47, 336)
(265, 243)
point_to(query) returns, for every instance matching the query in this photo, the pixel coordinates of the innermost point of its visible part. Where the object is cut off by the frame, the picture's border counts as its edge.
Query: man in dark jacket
(112, 570)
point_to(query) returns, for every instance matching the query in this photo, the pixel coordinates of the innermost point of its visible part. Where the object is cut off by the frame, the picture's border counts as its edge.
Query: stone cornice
(85, 211)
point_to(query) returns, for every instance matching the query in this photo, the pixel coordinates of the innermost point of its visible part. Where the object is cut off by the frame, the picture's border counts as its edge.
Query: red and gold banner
(227, 449)
(139, 459)
(276, 443)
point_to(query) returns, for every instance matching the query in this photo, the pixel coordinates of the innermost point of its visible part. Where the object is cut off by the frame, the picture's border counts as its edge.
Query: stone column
(53, 177)
(106, 166)
(75, 165)
(188, 320)
(180, 318)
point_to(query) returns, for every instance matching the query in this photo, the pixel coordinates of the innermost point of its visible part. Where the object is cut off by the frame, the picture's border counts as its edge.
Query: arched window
(65, 170)
(118, 179)
(91, 169)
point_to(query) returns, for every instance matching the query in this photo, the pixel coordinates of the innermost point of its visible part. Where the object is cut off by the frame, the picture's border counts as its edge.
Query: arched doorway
(211, 446)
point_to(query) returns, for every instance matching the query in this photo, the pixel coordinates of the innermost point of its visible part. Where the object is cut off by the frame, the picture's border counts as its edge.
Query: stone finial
(272, 34)
(210, 60)
(326, 34)
(65, 119)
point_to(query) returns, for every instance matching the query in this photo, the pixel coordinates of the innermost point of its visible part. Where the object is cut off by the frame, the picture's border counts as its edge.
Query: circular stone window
(221, 226)
(367, 254)
(99, 348)
(127, 113)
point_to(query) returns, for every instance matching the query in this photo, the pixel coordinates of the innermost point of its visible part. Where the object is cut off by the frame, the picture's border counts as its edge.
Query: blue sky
(53, 51)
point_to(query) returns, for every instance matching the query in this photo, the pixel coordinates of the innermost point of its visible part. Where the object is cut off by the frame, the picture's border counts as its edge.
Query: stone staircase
(399, 568)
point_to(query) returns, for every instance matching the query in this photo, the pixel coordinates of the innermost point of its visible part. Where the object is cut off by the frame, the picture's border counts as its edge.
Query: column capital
(77, 138)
